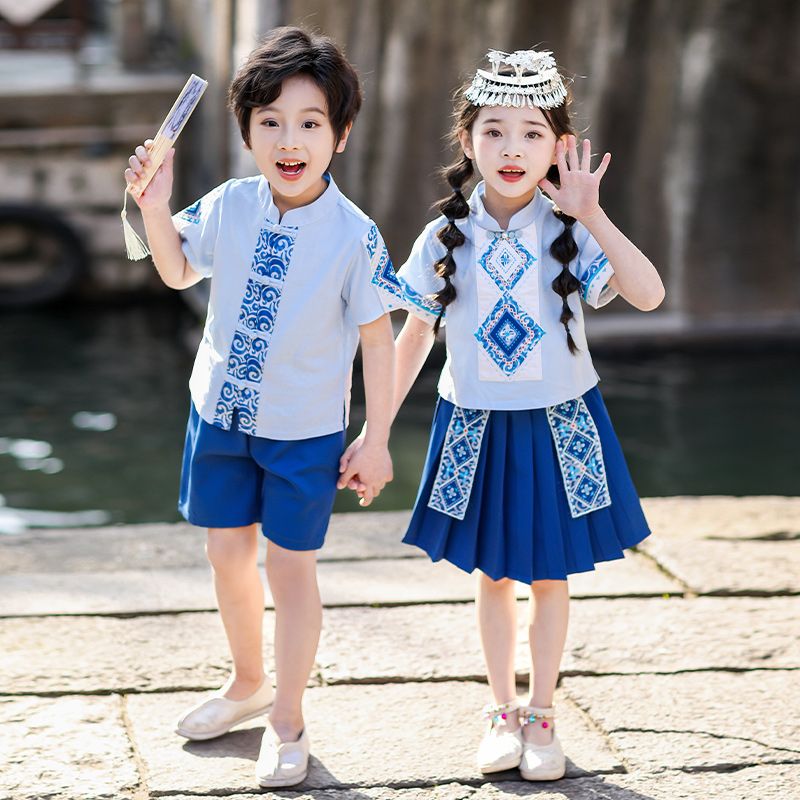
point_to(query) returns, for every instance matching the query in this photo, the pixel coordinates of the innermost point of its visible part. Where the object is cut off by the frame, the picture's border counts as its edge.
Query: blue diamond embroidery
(452, 492)
(458, 462)
(192, 213)
(508, 335)
(505, 260)
(461, 452)
(580, 456)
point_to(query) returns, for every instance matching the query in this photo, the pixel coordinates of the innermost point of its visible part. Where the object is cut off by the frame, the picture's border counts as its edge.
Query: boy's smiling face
(292, 141)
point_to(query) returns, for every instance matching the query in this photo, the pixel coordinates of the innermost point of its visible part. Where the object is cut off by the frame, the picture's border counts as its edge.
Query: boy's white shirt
(505, 298)
(286, 300)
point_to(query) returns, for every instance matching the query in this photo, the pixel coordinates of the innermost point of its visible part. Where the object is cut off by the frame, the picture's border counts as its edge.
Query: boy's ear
(465, 139)
(343, 141)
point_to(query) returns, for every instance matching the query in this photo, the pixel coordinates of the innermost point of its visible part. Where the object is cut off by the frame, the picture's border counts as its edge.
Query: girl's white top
(287, 297)
(506, 348)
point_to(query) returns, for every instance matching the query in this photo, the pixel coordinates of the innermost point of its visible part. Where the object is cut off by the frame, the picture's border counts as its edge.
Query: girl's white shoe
(541, 762)
(282, 763)
(217, 715)
(500, 749)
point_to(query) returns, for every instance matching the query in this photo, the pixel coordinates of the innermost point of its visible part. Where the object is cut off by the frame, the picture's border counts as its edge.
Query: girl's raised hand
(579, 195)
(159, 190)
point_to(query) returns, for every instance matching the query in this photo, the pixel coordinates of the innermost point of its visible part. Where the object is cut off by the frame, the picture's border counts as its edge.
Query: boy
(292, 264)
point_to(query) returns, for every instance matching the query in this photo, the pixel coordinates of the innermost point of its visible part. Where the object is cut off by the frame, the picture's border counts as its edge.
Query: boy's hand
(159, 190)
(371, 466)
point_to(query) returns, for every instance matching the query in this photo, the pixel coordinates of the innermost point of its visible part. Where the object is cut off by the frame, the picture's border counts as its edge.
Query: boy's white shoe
(282, 763)
(218, 714)
(541, 762)
(499, 749)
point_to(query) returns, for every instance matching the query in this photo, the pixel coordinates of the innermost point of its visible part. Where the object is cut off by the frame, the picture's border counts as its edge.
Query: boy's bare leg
(292, 576)
(233, 554)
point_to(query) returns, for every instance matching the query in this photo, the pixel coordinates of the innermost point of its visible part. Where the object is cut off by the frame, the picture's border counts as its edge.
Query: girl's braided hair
(455, 206)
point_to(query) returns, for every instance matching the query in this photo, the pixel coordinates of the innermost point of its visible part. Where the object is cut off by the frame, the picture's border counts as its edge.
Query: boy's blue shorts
(231, 479)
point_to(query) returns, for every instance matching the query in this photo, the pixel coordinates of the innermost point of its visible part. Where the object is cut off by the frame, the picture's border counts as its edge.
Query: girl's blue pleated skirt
(517, 523)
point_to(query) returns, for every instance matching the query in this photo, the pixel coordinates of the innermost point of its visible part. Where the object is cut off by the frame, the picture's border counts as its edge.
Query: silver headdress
(542, 87)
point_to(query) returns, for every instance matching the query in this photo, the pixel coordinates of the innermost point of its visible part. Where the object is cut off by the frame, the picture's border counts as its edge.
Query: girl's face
(512, 148)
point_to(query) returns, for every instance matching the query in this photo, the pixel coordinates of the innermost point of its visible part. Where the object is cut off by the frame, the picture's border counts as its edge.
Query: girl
(524, 478)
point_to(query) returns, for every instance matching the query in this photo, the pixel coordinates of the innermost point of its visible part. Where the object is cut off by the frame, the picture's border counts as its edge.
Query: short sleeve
(198, 226)
(593, 269)
(363, 298)
(417, 280)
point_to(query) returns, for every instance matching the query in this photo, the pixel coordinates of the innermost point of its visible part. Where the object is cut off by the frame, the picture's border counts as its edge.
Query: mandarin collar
(296, 217)
(521, 219)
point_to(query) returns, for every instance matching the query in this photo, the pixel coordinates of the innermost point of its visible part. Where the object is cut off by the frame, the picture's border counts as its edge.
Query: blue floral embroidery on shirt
(372, 241)
(505, 260)
(257, 315)
(259, 306)
(246, 359)
(243, 400)
(580, 456)
(458, 462)
(508, 334)
(273, 253)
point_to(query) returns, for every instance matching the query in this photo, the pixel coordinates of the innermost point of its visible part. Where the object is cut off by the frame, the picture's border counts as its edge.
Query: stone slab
(767, 518)
(379, 581)
(775, 782)
(434, 642)
(358, 535)
(739, 566)
(173, 652)
(695, 721)
(391, 735)
(750, 541)
(64, 748)
(56, 655)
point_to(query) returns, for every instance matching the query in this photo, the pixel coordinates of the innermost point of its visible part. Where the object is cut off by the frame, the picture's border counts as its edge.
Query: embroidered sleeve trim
(594, 286)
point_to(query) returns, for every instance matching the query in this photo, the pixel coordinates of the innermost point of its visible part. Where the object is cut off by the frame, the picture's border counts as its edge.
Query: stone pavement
(679, 680)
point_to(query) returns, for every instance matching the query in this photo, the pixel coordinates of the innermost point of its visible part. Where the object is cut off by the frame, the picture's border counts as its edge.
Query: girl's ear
(343, 141)
(465, 139)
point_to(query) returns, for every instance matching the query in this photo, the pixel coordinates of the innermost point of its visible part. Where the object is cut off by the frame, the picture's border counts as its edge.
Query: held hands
(159, 190)
(365, 468)
(579, 195)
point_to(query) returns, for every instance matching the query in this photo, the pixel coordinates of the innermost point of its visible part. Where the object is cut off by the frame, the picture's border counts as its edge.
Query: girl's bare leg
(547, 632)
(497, 623)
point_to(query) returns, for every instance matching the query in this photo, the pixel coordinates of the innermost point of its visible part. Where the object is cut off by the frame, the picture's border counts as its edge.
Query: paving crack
(710, 734)
(593, 724)
(141, 792)
(397, 785)
(688, 592)
(318, 680)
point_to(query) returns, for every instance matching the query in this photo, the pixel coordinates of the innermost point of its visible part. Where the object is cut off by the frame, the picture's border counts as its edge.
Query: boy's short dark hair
(293, 51)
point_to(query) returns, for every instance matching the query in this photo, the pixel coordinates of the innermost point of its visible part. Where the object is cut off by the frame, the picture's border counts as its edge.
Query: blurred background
(697, 101)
